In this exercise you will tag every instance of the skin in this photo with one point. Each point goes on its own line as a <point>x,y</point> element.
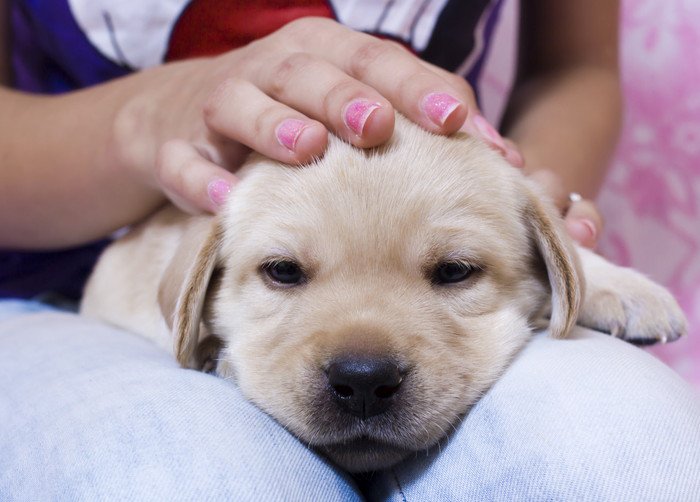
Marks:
<point>111,154</point>
<point>4,57</point>
<point>566,108</point>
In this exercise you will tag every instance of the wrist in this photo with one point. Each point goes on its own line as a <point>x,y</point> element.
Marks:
<point>133,136</point>
<point>156,106</point>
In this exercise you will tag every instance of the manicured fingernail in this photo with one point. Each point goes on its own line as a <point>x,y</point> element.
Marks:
<point>513,156</point>
<point>582,230</point>
<point>357,113</point>
<point>590,227</point>
<point>288,132</point>
<point>218,191</point>
<point>488,132</point>
<point>438,106</point>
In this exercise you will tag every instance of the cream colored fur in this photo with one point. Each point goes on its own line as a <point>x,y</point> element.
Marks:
<point>367,228</point>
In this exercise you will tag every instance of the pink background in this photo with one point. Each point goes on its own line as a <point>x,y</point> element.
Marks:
<point>651,201</point>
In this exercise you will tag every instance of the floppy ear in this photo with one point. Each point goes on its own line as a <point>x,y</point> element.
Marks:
<point>183,287</point>
<point>561,260</point>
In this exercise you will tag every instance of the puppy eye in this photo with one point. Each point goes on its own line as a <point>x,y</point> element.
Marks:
<point>450,272</point>
<point>284,272</point>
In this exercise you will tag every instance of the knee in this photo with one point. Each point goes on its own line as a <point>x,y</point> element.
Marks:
<point>106,415</point>
<point>590,417</point>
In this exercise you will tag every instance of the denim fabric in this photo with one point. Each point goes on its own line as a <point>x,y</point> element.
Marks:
<point>587,419</point>
<point>15,307</point>
<point>89,412</point>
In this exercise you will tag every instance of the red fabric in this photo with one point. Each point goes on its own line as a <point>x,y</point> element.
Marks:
<point>209,27</point>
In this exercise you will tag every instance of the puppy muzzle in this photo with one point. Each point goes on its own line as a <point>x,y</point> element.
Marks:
<point>364,386</point>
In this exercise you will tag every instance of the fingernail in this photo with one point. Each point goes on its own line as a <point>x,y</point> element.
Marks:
<point>590,226</point>
<point>582,230</point>
<point>513,156</point>
<point>288,133</point>
<point>438,106</point>
<point>218,191</point>
<point>356,114</point>
<point>488,132</point>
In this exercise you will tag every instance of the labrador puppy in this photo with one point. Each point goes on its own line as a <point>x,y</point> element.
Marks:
<point>367,301</point>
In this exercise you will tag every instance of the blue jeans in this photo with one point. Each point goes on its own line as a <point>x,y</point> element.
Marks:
<point>90,412</point>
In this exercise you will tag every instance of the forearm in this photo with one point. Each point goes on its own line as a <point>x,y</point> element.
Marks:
<point>60,180</point>
<point>568,123</point>
<point>77,166</point>
<point>4,45</point>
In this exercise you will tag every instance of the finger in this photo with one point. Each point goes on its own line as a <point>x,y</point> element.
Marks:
<point>456,81</point>
<point>584,223</point>
<point>240,111</point>
<point>476,125</point>
<point>190,181</point>
<point>318,89</point>
<point>513,155</point>
<point>553,186</point>
<point>420,94</point>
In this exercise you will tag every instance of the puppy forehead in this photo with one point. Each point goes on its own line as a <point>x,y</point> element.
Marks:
<point>418,191</point>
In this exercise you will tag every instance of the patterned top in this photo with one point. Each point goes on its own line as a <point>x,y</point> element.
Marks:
<point>62,45</point>
<point>651,199</point>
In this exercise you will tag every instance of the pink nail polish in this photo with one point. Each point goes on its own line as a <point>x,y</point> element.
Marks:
<point>288,133</point>
<point>583,231</point>
<point>438,106</point>
<point>488,132</point>
<point>356,114</point>
<point>218,191</point>
<point>590,226</point>
<point>514,156</point>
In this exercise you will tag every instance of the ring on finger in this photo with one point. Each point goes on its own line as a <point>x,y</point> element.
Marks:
<point>575,197</point>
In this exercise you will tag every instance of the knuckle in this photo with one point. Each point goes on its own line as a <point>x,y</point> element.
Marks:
<point>261,124</point>
<point>172,160</point>
<point>286,69</point>
<point>398,46</point>
<point>367,55</point>
<point>164,161</point>
<point>339,92</point>
<point>301,28</point>
<point>461,85</point>
<point>413,85</point>
<point>162,164</point>
<point>226,90</point>
<point>456,81</point>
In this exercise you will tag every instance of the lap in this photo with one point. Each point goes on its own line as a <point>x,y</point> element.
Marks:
<point>591,418</point>
<point>91,412</point>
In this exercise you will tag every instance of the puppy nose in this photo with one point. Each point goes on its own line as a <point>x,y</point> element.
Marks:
<point>364,385</point>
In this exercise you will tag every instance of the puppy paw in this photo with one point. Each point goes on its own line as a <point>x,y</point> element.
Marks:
<point>624,303</point>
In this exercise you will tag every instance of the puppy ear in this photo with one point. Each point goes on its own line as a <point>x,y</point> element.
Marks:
<point>183,287</point>
<point>560,259</point>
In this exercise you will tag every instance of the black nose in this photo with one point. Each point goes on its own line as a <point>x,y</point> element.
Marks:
<point>364,385</point>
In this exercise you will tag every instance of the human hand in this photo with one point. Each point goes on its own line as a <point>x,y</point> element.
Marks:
<point>582,218</point>
<point>583,221</point>
<point>190,125</point>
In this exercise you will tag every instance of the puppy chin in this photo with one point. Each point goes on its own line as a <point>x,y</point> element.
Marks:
<point>364,455</point>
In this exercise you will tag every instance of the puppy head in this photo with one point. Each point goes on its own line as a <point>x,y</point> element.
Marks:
<point>366,302</point>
